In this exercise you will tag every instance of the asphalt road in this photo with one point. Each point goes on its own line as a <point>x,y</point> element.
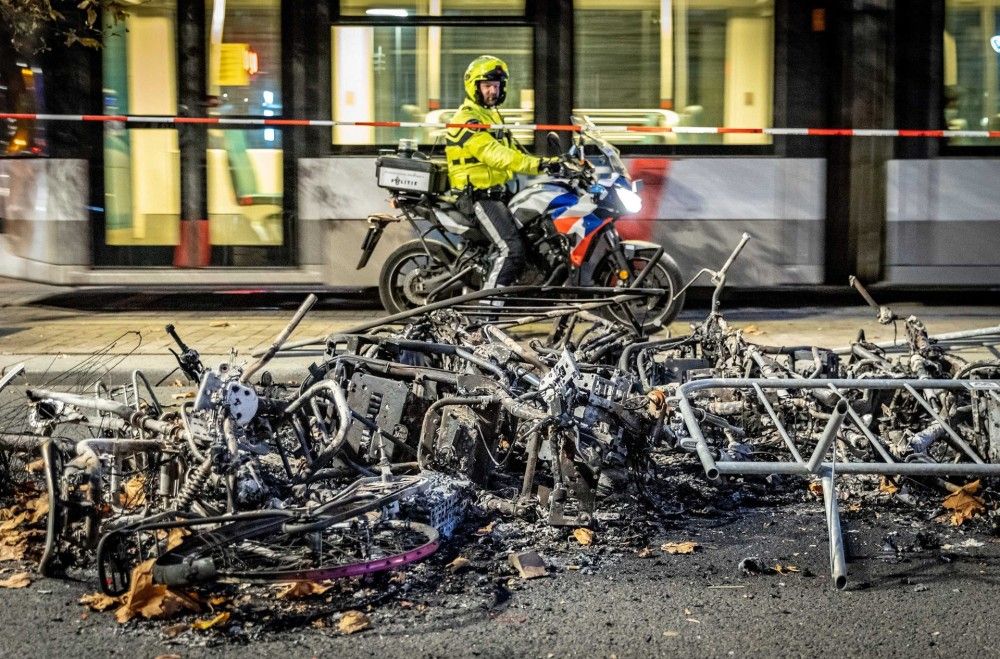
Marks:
<point>897,604</point>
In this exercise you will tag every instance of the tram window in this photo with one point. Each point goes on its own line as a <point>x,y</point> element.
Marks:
<point>244,57</point>
<point>690,63</point>
<point>21,91</point>
<point>414,73</point>
<point>141,165</point>
<point>404,8</point>
<point>971,68</point>
<point>243,168</point>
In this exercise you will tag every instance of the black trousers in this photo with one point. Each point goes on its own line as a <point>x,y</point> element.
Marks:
<point>499,225</point>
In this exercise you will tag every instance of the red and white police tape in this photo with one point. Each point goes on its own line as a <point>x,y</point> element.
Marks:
<point>680,130</point>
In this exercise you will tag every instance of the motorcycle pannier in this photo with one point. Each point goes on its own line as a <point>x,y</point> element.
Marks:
<point>411,174</point>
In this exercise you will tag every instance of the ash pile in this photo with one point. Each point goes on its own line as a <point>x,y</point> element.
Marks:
<point>489,424</point>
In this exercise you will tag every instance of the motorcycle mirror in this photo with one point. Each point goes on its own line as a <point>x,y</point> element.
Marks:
<point>555,144</point>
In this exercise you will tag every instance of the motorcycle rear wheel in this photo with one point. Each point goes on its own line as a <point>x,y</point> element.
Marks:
<point>397,279</point>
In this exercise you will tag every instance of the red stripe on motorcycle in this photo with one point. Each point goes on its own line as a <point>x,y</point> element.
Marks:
<point>580,251</point>
<point>565,224</point>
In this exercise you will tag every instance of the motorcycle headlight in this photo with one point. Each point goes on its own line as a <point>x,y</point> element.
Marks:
<point>630,201</point>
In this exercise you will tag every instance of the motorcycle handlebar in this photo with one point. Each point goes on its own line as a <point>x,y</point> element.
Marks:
<point>177,339</point>
<point>573,168</point>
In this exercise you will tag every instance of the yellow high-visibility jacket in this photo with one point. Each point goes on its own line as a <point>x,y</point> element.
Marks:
<point>481,157</point>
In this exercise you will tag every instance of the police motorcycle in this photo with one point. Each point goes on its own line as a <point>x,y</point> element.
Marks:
<point>567,221</point>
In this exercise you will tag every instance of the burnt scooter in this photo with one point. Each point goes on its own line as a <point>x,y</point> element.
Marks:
<point>567,221</point>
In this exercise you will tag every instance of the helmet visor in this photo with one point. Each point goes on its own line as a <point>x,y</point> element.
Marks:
<point>496,75</point>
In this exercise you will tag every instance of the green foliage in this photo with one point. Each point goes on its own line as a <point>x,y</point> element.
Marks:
<point>33,25</point>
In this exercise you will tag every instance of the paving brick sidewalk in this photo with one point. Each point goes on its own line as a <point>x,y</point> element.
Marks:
<point>44,331</point>
<point>42,334</point>
<point>53,340</point>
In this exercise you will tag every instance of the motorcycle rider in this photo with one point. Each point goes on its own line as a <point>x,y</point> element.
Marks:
<point>481,162</point>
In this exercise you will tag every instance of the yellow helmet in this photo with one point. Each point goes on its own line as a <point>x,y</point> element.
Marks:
<point>485,67</point>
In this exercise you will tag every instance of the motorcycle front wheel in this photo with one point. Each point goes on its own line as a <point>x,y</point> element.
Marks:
<point>653,314</point>
<point>403,283</point>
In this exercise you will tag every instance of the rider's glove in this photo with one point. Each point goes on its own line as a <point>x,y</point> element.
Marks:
<point>550,165</point>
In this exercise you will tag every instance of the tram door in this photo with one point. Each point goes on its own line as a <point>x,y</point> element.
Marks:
<point>244,223</point>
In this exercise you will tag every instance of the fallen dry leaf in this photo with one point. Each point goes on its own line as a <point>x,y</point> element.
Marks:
<point>35,466</point>
<point>133,493</point>
<point>39,508</point>
<point>686,547</point>
<point>208,623</point>
<point>752,329</point>
<point>645,552</point>
<point>172,631</point>
<point>886,486</point>
<point>177,382</point>
<point>99,601</point>
<point>218,600</point>
<point>353,621</point>
<point>486,530</point>
<point>816,487</point>
<point>150,600</point>
<point>13,522</point>
<point>459,564</point>
<point>13,552</point>
<point>299,589</point>
<point>218,323</point>
<point>174,537</point>
<point>962,504</point>
<point>584,536</point>
<point>785,569</point>
<point>182,395</point>
<point>12,537</point>
<point>16,580</point>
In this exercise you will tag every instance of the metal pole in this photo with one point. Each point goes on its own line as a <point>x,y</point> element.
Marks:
<point>872,439</point>
<point>704,453</point>
<point>966,469</point>
<point>719,278</point>
<point>957,441</point>
<point>280,341</point>
<point>617,296</point>
<point>637,282</point>
<point>983,332</point>
<point>777,423</point>
<point>529,468</point>
<point>832,427</point>
<point>838,565</point>
<point>688,388</point>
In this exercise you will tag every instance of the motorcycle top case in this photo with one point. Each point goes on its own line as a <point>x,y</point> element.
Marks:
<point>411,174</point>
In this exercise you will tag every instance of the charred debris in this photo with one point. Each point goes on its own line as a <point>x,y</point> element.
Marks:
<point>553,408</point>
